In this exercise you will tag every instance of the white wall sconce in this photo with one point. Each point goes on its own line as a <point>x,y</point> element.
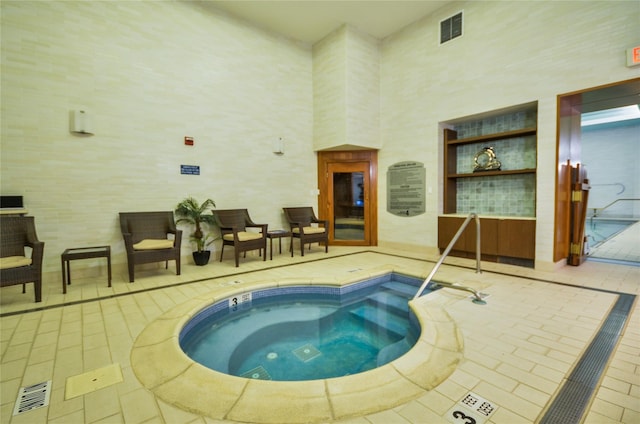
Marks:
<point>80,122</point>
<point>278,146</point>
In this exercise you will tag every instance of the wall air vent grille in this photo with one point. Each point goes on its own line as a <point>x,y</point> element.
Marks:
<point>451,28</point>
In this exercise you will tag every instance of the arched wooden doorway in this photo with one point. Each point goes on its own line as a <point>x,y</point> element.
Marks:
<point>348,199</point>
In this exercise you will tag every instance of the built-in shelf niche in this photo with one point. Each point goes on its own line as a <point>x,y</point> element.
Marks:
<point>511,191</point>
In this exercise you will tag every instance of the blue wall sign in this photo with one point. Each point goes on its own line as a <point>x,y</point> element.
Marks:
<point>190,169</point>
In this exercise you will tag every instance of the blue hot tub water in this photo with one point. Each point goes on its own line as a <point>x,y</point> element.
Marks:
<point>306,332</point>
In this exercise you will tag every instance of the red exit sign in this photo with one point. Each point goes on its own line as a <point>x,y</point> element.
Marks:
<point>633,56</point>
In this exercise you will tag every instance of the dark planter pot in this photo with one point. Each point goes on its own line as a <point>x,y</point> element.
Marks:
<point>201,258</point>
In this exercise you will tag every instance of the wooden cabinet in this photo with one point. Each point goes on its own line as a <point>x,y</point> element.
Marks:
<point>517,238</point>
<point>505,197</point>
<point>503,240</point>
<point>449,226</point>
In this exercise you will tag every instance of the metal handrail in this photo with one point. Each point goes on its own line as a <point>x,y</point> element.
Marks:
<point>612,184</point>
<point>595,210</point>
<point>478,297</point>
<point>448,249</point>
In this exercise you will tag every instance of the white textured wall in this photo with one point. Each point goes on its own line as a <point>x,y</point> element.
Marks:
<point>363,90</point>
<point>346,90</point>
<point>150,73</point>
<point>329,91</point>
<point>511,53</point>
<point>611,156</point>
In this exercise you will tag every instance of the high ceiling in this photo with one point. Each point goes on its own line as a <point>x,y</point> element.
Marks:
<point>311,20</point>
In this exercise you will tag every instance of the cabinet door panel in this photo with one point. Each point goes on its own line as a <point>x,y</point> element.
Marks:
<point>447,228</point>
<point>488,236</point>
<point>517,238</point>
<point>509,238</point>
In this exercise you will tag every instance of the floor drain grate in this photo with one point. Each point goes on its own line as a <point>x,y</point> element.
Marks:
<point>574,397</point>
<point>471,409</point>
<point>32,397</point>
<point>306,353</point>
<point>257,373</point>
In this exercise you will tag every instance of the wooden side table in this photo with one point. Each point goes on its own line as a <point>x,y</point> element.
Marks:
<point>83,253</point>
<point>276,234</point>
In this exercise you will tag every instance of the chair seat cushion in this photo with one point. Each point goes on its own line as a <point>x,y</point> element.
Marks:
<point>244,236</point>
<point>14,262</point>
<point>310,230</point>
<point>153,244</point>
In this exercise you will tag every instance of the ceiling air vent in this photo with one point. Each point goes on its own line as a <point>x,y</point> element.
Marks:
<point>451,28</point>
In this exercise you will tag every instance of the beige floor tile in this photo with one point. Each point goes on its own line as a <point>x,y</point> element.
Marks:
<point>436,402</point>
<point>138,406</point>
<point>505,399</point>
<point>391,417</point>
<point>631,416</point>
<point>488,374</point>
<point>8,395</point>
<point>548,373</point>
<point>171,414</point>
<point>536,382</point>
<point>60,408</point>
<point>609,410</point>
<point>624,400</point>
<point>102,404</point>
<point>525,391</point>
<point>617,385</point>
<point>518,348</point>
<point>38,415</point>
<point>42,354</point>
<point>17,352</point>
<point>71,418</point>
<point>38,373</point>
<point>113,419</point>
<point>504,415</point>
<point>415,412</point>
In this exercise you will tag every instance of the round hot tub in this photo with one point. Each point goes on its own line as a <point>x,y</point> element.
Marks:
<point>433,349</point>
<point>306,332</point>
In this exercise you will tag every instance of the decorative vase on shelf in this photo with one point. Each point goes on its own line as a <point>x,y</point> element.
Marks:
<point>486,160</point>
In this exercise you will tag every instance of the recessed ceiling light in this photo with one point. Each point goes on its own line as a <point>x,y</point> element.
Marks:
<point>610,115</point>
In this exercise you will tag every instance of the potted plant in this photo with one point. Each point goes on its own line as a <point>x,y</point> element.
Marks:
<point>191,212</point>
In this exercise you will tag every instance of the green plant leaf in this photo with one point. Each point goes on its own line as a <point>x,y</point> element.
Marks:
<point>190,211</point>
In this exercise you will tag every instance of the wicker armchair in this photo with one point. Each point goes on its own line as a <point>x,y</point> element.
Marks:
<point>301,219</point>
<point>16,233</point>
<point>146,239</point>
<point>233,225</point>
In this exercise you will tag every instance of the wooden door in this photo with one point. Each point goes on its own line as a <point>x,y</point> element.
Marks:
<point>579,199</point>
<point>570,108</point>
<point>348,206</point>
<point>567,151</point>
<point>348,199</point>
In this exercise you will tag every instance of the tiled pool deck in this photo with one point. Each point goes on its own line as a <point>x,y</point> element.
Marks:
<point>517,350</point>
